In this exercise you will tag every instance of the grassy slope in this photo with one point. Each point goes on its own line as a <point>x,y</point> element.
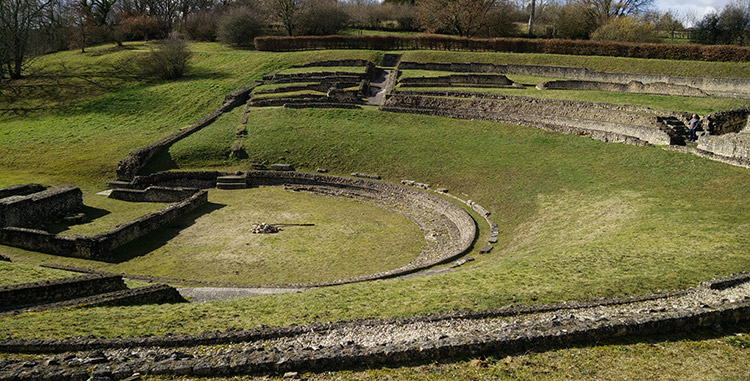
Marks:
<point>103,130</point>
<point>634,219</point>
<point>15,273</point>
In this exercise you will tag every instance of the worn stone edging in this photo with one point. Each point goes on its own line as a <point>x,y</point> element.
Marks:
<point>266,333</point>
<point>128,167</point>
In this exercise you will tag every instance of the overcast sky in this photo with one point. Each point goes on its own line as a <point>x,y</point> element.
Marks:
<point>696,8</point>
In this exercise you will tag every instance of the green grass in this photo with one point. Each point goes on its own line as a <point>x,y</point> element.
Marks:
<point>611,64</point>
<point>578,218</point>
<point>288,94</point>
<point>102,130</point>
<point>325,69</point>
<point>105,214</point>
<point>700,106</point>
<point>215,243</point>
<point>370,32</point>
<point>272,86</point>
<point>16,273</point>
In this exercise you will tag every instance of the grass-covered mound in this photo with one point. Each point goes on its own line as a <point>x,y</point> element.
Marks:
<point>578,218</point>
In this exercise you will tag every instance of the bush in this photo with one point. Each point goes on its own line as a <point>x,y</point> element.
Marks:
<point>322,17</point>
<point>625,29</point>
<point>168,61</point>
<point>201,26</point>
<point>239,27</point>
<point>513,45</point>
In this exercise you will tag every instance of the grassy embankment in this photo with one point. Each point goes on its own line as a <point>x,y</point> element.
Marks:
<point>578,218</point>
<point>698,105</point>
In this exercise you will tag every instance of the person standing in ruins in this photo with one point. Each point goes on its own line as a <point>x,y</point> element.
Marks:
<point>692,125</point>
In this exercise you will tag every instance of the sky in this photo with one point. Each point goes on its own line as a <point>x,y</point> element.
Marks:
<point>691,8</point>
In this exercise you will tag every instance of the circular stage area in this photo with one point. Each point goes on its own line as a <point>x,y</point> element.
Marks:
<point>334,230</point>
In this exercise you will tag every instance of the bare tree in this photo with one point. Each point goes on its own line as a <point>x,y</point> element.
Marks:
<point>531,17</point>
<point>18,18</point>
<point>606,9</point>
<point>286,12</point>
<point>464,18</point>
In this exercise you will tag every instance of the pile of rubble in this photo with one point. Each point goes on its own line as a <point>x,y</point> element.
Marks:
<point>264,228</point>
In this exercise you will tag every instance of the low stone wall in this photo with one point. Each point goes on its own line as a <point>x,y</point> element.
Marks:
<point>151,294</point>
<point>657,88</point>
<point>153,194</point>
<point>454,228</point>
<point>41,207</point>
<point>728,121</point>
<point>726,87</point>
<point>484,80</point>
<point>21,190</point>
<point>322,105</point>
<point>731,145</point>
<point>55,290</point>
<point>101,245</point>
<point>331,63</point>
<point>318,77</point>
<point>281,101</point>
<point>552,114</point>
<point>559,328</point>
<point>128,167</point>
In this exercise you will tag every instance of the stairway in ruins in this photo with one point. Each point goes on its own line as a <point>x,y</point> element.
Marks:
<point>231,182</point>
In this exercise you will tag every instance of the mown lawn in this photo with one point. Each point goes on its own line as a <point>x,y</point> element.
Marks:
<point>578,218</point>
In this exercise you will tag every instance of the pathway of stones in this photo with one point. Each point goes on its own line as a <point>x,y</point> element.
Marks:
<point>356,344</point>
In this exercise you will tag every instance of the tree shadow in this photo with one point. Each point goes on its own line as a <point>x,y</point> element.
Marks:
<point>158,238</point>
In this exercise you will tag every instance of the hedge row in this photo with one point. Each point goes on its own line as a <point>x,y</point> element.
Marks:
<point>514,45</point>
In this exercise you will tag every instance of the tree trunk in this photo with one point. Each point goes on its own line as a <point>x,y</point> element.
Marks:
<point>531,17</point>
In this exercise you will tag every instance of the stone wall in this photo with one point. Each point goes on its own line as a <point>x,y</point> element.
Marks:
<point>726,87</point>
<point>101,245</point>
<point>482,80</point>
<point>731,145</point>
<point>657,88</point>
<point>128,167</point>
<point>55,290</point>
<point>21,190</point>
<point>332,63</point>
<point>431,213</point>
<point>558,115</point>
<point>153,194</point>
<point>151,294</point>
<point>41,207</point>
<point>728,121</point>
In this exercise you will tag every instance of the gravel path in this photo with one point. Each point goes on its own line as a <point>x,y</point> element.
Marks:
<point>203,294</point>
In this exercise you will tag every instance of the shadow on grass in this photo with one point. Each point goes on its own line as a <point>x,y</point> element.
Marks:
<point>91,215</point>
<point>162,161</point>
<point>161,236</point>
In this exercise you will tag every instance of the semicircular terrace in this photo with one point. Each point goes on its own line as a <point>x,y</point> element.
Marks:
<point>449,230</point>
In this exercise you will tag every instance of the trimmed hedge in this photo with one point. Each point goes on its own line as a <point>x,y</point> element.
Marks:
<point>514,45</point>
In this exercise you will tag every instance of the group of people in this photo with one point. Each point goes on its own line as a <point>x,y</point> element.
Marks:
<point>693,125</point>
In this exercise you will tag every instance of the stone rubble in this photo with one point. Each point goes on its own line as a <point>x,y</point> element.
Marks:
<point>368,343</point>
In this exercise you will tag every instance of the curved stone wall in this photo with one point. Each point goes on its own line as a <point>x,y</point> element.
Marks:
<point>635,87</point>
<point>613,123</point>
<point>726,87</point>
<point>449,231</point>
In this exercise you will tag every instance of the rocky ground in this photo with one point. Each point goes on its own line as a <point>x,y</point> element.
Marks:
<point>377,342</point>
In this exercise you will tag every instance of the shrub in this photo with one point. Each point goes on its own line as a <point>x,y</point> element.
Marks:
<point>201,26</point>
<point>625,29</point>
<point>239,27</point>
<point>322,17</point>
<point>168,61</point>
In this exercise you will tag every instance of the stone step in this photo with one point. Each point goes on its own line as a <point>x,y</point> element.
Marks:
<point>231,179</point>
<point>231,185</point>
